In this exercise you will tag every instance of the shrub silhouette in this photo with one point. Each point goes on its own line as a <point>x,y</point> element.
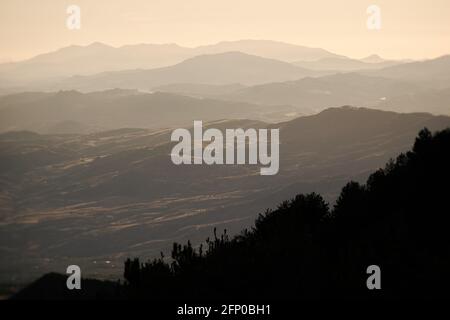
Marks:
<point>398,220</point>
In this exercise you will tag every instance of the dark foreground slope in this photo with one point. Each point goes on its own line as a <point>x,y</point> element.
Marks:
<point>398,220</point>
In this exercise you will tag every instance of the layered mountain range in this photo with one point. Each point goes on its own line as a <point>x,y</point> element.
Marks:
<point>85,169</point>
<point>263,80</point>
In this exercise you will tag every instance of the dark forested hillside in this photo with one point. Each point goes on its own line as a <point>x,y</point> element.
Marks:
<point>398,220</point>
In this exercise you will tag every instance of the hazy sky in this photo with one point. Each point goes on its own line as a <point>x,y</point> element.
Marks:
<point>410,28</point>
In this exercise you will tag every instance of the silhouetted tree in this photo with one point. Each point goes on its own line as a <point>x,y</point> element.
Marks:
<point>398,220</point>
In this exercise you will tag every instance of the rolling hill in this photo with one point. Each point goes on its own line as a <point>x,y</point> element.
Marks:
<point>101,197</point>
<point>75,112</point>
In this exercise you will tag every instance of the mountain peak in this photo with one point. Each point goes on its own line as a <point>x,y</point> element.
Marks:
<point>98,44</point>
<point>374,58</point>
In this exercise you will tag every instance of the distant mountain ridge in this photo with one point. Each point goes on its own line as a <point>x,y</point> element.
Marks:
<point>435,73</point>
<point>269,49</point>
<point>323,92</point>
<point>341,64</point>
<point>215,69</point>
<point>98,57</point>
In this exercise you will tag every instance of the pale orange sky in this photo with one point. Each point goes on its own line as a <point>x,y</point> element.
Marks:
<point>410,28</point>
